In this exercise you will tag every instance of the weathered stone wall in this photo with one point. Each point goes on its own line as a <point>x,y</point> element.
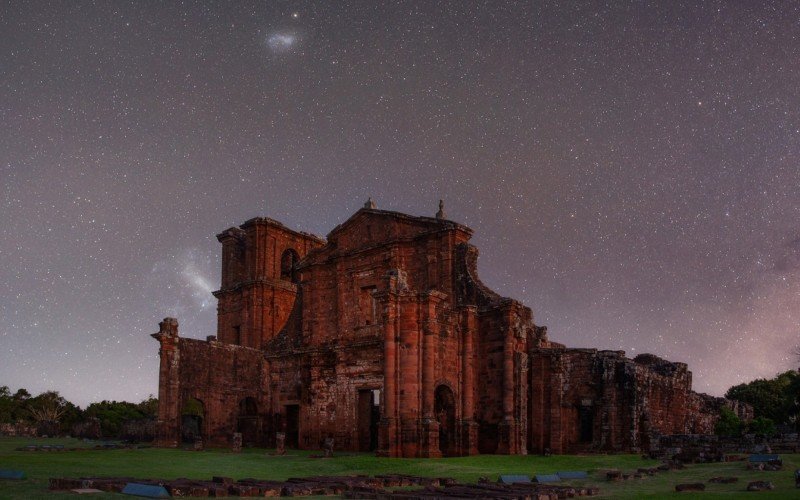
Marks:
<point>138,430</point>
<point>87,429</point>
<point>385,281</point>
<point>709,447</point>
<point>18,429</point>
<point>383,338</point>
<point>218,376</point>
<point>259,281</point>
<point>703,412</point>
<point>589,400</point>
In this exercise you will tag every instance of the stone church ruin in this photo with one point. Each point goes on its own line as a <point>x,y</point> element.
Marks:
<point>383,338</point>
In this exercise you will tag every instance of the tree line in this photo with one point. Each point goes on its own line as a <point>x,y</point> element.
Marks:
<point>775,402</point>
<point>51,414</point>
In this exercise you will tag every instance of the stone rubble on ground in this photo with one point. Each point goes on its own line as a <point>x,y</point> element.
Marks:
<point>375,487</point>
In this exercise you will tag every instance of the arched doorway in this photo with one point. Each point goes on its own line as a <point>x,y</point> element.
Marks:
<point>445,408</point>
<point>289,260</point>
<point>247,422</point>
<point>192,413</point>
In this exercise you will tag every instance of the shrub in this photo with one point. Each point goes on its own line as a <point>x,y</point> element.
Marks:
<point>729,424</point>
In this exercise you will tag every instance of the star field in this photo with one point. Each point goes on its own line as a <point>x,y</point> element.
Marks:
<point>631,169</point>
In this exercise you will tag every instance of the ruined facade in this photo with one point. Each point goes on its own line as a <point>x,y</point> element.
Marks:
<point>383,338</point>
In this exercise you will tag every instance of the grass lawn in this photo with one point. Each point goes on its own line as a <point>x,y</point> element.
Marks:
<point>170,464</point>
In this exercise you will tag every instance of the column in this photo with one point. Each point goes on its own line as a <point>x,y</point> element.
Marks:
<point>507,430</point>
<point>428,425</point>
<point>388,444</point>
<point>168,422</point>
<point>468,428</point>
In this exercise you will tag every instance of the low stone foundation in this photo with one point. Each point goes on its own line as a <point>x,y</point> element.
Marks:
<point>710,448</point>
<point>348,486</point>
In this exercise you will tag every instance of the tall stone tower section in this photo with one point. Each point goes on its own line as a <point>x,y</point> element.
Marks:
<point>260,285</point>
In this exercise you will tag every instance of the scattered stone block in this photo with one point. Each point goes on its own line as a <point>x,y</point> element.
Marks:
<point>723,480</point>
<point>280,443</point>
<point>690,487</point>
<point>327,446</point>
<point>760,486</point>
<point>347,486</point>
<point>236,446</point>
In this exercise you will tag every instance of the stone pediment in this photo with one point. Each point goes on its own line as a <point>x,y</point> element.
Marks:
<point>369,227</point>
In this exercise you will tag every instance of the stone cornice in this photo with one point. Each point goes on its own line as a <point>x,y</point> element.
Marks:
<point>285,285</point>
<point>267,221</point>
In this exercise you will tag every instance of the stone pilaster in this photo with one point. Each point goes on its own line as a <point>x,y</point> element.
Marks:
<point>428,425</point>
<point>388,435</point>
<point>168,422</point>
<point>467,427</point>
<point>428,438</point>
<point>508,426</point>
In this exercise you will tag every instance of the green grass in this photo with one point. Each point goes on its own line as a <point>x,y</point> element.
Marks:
<point>170,464</point>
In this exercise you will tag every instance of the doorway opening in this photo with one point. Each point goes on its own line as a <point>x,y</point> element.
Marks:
<point>293,426</point>
<point>192,413</point>
<point>247,422</point>
<point>445,408</point>
<point>369,414</point>
<point>585,423</point>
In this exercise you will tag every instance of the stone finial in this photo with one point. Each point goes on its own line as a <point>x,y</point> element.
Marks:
<point>369,204</point>
<point>440,213</point>
<point>169,326</point>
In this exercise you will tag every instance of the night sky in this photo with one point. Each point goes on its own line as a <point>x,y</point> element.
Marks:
<point>631,169</point>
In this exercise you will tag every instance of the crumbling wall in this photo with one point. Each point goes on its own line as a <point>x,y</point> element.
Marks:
<point>210,381</point>
<point>138,430</point>
<point>589,400</point>
<point>221,376</point>
<point>87,429</point>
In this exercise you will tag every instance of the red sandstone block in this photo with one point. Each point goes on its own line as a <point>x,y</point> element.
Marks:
<point>690,487</point>
<point>65,484</point>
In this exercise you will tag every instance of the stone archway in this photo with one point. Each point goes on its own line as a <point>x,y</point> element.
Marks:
<point>445,409</point>
<point>192,414</point>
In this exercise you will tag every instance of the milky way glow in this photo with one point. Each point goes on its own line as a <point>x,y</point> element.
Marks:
<point>281,42</point>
